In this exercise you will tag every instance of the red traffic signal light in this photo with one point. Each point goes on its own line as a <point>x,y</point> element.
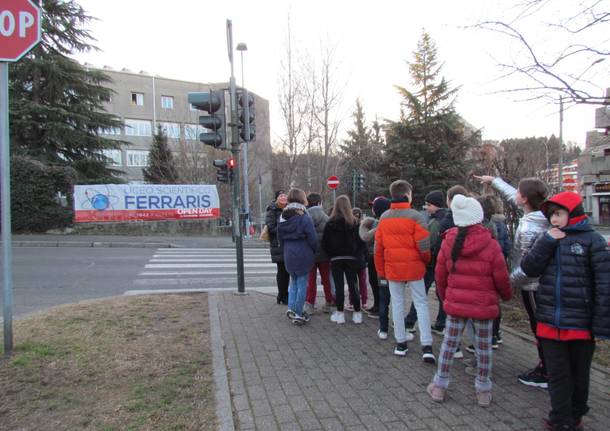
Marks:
<point>231,163</point>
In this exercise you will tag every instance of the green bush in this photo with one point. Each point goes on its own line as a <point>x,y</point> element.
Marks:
<point>35,204</point>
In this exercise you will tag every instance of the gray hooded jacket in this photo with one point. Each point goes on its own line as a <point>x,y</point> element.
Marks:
<point>319,218</point>
<point>530,226</point>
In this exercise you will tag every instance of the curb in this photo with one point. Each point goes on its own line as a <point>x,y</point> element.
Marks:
<point>224,412</point>
<point>90,244</point>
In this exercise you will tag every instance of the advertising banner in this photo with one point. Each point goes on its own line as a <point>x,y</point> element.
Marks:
<point>144,202</point>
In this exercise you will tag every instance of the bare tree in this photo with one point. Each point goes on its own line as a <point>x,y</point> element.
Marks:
<point>296,105</point>
<point>570,71</point>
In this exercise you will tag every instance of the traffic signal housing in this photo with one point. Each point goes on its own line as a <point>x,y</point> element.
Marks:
<point>225,170</point>
<point>212,102</point>
<point>247,128</point>
<point>359,182</point>
<point>222,175</point>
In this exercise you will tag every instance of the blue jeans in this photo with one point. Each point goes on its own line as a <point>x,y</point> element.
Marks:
<point>418,292</point>
<point>296,293</point>
<point>384,305</point>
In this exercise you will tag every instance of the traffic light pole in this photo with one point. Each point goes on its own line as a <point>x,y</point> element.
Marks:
<point>239,245</point>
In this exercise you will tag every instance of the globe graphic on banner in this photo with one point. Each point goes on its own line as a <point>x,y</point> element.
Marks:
<point>100,202</point>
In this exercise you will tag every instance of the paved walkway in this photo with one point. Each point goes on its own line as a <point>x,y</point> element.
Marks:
<point>333,377</point>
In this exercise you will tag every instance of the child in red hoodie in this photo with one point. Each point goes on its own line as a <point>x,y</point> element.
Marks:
<point>470,275</point>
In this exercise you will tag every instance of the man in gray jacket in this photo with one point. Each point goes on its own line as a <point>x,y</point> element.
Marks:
<point>528,196</point>
<point>322,262</point>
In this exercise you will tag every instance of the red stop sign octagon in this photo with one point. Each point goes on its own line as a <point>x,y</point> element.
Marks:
<point>19,28</point>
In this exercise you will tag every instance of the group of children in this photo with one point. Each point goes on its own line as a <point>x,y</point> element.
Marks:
<point>558,262</point>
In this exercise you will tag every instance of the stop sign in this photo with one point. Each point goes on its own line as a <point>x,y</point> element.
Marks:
<point>332,182</point>
<point>19,28</point>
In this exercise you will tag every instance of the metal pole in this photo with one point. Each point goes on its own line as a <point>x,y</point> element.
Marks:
<point>560,167</point>
<point>354,189</point>
<point>245,148</point>
<point>239,246</point>
<point>5,166</point>
<point>260,202</point>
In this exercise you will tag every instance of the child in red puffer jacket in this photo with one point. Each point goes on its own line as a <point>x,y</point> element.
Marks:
<point>470,275</point>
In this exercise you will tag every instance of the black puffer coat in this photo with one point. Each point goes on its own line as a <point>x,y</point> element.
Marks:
<point>271,220</point>
<point>574,290</point>
<point>342,239</point>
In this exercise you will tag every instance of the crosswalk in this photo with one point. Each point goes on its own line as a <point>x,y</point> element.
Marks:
<point>205,268</point>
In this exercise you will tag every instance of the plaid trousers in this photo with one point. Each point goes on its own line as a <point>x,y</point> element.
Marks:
<point>482,342</point>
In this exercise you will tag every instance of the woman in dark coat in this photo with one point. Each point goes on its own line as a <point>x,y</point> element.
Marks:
<point>274,211</point>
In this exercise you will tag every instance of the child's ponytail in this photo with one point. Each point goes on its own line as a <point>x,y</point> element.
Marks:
<point>458,244</point>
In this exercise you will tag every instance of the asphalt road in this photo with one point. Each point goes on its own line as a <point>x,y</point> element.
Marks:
<point>48,276</point>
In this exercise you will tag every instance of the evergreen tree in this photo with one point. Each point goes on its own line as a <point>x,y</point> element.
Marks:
<point>361,153</point>
<point>56,105</point>
<point>430,144</point>
<point>161,168</point>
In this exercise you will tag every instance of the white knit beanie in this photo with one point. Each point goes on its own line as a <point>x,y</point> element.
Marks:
<point>466,211</point>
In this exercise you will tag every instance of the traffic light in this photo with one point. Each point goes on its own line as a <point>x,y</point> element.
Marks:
<point>212,102</point>
<point>359,182</point>
<point>222,175</point>
<point>243,121</point>
<point>225,170</point>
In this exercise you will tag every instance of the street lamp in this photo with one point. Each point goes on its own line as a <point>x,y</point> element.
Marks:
<point>241,47</point>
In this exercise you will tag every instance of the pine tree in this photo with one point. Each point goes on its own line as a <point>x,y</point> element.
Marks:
<point>56,105</point>
<point>429,145</point>
<point>161,168</point>
<point>361,153</point>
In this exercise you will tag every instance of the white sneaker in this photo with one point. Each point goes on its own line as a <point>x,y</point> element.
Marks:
<point>337,317</point>
<point>382,335</point>
<point>357,317</point>
<point>458,355</point>
<point>410,336</point>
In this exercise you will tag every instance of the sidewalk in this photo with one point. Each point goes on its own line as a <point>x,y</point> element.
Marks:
<point>334,377</point>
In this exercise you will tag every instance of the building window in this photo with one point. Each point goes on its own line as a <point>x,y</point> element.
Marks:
<point>115,156</point>
<point>137,127</point>
<point>192,131</point>
<point>167,102</point>
<point>113,131</point>
<point>172,130</point>
<point>137,158</point>
<point>137,99</point>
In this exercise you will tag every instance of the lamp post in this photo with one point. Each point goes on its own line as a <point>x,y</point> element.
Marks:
<point>241,47</point>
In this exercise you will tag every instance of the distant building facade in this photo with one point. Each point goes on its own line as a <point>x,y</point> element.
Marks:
<point>594,167</point>
<point>144,101</point>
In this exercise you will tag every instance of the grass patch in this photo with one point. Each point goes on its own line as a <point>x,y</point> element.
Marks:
<point>120,364</point>
<point>515,316</point>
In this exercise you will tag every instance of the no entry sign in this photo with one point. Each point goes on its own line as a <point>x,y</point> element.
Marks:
<point>19,28</point>
<point>332,182</point>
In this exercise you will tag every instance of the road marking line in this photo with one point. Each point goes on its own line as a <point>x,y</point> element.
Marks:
<point>186,281</point>
<point>206,273</point>
<point>262,289</point>
<point>203,265</point>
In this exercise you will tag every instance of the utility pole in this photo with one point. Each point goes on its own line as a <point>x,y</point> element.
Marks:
<point>239,245</point>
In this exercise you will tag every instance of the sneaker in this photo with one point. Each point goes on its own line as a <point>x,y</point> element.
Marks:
<point>499,338</point>
<point>535,378</point>
<point>494,343</point>
<point>373,312</point>
<point>427,355</point>
<point>436,393</point>
<point>440,330</point>
<point>306,316</point>
<point>410,328</point>
<point>349,307</point>
<point>484,398</point>
<point>471,349</point>
<point>410,336</point>
<point>458,354</point>
<point>309,308</point>
<point>357,317</point>
<point>298,320</point>
<point>290,314</point>
<point>337,317</point>
<point>382,335</point>
<point>548,426</point>
<point>327,308</point>
<point>401,349</point>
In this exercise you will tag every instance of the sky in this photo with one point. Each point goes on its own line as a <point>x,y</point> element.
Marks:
<point>374,40</point>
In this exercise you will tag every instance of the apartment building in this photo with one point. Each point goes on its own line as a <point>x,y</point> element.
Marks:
<point>143,101</point>
<point>594,167</point>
